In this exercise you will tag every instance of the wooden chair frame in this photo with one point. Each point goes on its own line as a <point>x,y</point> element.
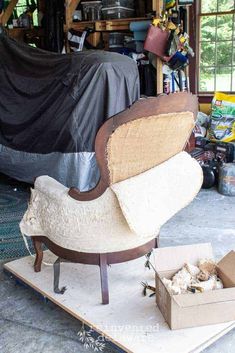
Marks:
<point>173,103</point>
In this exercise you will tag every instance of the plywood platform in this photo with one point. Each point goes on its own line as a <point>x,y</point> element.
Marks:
<point>131,321</point>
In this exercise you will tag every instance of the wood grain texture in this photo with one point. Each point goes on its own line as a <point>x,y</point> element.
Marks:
<point>8,12</point>
<point>127,312</point>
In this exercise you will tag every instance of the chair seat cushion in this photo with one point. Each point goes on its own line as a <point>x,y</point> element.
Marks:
<point>150,199</point>
<point>96,226</point>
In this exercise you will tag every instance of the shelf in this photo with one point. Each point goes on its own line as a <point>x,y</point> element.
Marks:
<point>111,25</point>
<point>19,33</point>
<point>107,25</point>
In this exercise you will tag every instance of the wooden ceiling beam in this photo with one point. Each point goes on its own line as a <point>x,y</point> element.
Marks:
<point>70,7</point>
<point>8,12</point>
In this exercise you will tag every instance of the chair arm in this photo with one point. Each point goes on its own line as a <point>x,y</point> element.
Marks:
<point>90,195</point>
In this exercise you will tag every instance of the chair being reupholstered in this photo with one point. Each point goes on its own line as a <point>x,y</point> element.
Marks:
<point>145,178</point>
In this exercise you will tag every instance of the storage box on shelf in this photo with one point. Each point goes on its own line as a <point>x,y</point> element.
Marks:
<point>117,12</point>
<point>116,40</point>
<point>124,3</point>
<point>91,10</point>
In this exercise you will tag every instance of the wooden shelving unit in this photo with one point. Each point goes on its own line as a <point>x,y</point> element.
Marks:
<point>98,26</point>
<point>8,12</point>
<point>70,7</point>
<point>22,33</point>
<point>158,6</point>
<point>112,25</point>
<point>106,25</point>
<point>17,32</point>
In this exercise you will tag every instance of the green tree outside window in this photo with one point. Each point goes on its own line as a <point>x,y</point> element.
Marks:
<point>217,46</point>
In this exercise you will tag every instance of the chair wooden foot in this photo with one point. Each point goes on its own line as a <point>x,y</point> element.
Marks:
<point>104,279</point>
<point>157,242</point>
<point>39,254</point>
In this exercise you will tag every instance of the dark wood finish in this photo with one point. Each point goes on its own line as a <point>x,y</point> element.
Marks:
<point>173,103</point>
<point>39,254</point>
<point>193,33</point>
<point>89,258</point>
<point>101,260</point>
<point>8,11</point>
<point>206,99</point>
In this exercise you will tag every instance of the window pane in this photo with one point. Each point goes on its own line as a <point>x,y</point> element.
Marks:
<point>223,79</point>
<point>208,25</point>
<point>234,27</point>
<point>233,88</point>
<point>224,27</point>
<point>207,54</point>
<point>233,52</point>
<point>207,76</point>
<point>224,53</point>
<point>225,5</point>
<point>208,6</point>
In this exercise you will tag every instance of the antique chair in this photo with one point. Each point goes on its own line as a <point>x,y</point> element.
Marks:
<point>145,178</point>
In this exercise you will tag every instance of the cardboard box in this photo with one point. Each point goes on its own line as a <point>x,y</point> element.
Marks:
<point>226,269</point>
<point>191,310</point>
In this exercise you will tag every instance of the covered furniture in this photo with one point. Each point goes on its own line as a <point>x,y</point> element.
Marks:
<point>145,179</point>
<point>52,105</point>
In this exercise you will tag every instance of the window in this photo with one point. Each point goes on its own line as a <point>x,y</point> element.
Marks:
<point>216,46</point>
<point>22,6</point>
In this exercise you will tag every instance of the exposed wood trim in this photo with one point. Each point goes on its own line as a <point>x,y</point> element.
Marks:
<point>8,12</point>
<point>193,43</point>
<point>172,103</point>
<point>195,16</point>
<point>90,258</point>
<point>205,99</point>
<point>232,12</point>
<point>70,7</point>
<point>100,259</point>
<point>158,7</point>
<point>159,66</point>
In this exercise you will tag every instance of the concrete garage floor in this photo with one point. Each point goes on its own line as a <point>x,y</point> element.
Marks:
<point>27,324</point>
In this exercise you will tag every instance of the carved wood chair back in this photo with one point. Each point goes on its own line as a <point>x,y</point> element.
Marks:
<point>140,138</point>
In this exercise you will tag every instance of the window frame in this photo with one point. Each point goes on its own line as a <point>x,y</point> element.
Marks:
<point>194,69</point>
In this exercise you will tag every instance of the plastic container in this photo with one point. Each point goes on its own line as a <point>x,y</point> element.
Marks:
<point>135,46</point>
<point>227,179</point>
<point>117,12</point>
<point>124,3</point>
<point>91,10</point>
<point>140,29</point>
<point>116,40</point>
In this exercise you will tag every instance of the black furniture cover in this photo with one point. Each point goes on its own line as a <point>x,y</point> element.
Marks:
<point>52,105</point>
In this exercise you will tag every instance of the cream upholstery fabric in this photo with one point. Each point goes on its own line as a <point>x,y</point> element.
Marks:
<point>147,201</point>
<point>150,199</point>
<point>94,226</point>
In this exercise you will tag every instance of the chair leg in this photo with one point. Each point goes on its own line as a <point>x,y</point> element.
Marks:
<point>39,254</point>
<point>56,267</point>
<point>157,242</point>
<point>104,279</point>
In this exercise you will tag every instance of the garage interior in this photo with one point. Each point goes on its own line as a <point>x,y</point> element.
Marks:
<point>116,117</point>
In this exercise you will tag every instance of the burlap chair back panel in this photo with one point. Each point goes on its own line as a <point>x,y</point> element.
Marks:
<point>141,144</point>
